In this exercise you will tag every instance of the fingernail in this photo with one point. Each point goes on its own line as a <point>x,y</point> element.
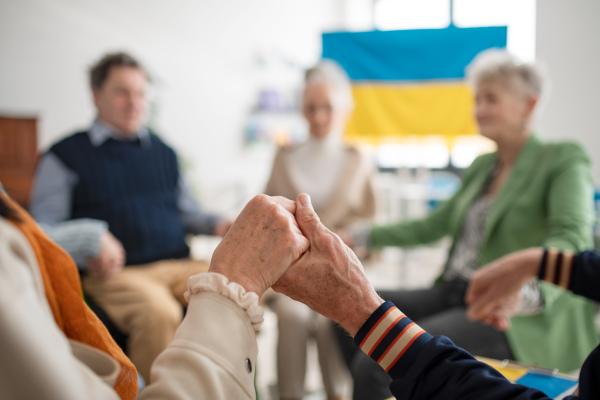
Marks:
<point>305,200</point>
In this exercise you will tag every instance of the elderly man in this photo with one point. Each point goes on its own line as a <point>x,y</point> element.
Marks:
<point>112,196</point>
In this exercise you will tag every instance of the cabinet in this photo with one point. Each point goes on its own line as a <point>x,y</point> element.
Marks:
<point>18,156</point>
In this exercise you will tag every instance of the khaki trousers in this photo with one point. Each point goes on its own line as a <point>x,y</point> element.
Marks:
<point>297,325</point>
<point>145,301</point>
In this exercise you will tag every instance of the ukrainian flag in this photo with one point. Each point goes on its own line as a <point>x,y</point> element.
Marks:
<point>410,82</point>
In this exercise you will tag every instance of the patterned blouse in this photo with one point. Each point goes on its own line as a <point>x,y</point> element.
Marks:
<point>464,259</point>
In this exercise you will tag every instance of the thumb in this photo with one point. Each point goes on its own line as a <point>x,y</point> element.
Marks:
<point>307,218</point>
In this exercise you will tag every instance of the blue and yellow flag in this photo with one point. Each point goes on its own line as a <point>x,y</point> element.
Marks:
<point>410,82</point>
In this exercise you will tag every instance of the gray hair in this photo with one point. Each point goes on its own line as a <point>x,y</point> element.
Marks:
<point>497,63</point>
<point>331,73</point>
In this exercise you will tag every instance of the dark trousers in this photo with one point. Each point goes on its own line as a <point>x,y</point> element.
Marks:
<point>439,310</point>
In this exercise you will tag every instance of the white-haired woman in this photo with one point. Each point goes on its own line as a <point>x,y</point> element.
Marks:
<point>338,179</point>
<point>528,193</point>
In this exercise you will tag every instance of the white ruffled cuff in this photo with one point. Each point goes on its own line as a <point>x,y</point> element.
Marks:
<point>217,283</point>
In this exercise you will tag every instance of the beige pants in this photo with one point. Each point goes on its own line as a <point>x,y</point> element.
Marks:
<point>297,324</point>
<point>145,301</point>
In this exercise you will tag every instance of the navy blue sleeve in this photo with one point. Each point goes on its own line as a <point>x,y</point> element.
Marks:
<point>432,368</point>
<point>444,371</point>
<point>589,384</point>
<point>195,219</point>
<point>579,273</point>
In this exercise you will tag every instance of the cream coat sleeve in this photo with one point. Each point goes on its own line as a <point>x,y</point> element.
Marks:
<point>36,361</point>
<point>213,355</point>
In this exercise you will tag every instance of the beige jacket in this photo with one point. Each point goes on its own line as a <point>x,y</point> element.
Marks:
<point>352,200</point>
<point>212,356</point>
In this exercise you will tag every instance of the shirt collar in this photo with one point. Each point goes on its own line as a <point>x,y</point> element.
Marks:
<point>100,132</point>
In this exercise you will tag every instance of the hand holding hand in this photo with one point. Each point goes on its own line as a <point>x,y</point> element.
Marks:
<point>328,277</point>
<point>261,244</point>
<point>499,316</point>
<point>110,260</point>
<point>493,295</point>
<point>346,237</point>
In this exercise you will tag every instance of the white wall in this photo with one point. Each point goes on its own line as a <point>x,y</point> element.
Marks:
<point>202,54</point>
<point>568,42</point>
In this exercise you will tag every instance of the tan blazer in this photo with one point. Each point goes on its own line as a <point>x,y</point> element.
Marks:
<point>352,200</point>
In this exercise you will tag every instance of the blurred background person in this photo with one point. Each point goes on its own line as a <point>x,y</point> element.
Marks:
<point>120,190</point>
<point>339,181</point>
<point>528,193</point>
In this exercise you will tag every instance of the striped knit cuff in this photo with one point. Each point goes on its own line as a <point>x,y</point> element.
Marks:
<point>392,339</point>
<point>556,267</point>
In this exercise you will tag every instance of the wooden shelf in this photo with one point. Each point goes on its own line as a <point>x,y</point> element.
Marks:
<point>18,156</point>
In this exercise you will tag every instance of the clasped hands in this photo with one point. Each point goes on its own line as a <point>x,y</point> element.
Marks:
<point>280,243</point>
<point>494,292</point>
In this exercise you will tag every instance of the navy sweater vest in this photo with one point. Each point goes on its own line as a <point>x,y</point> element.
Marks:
<point>133,188</point>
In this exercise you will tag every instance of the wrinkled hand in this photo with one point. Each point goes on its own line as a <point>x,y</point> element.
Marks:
<point>222,227</point>
<point>261,244</point>
<point>110,260</point>
<point>328,277</point>
<point>346,237</point>
<point>499,316</point>
<point>493,295</point>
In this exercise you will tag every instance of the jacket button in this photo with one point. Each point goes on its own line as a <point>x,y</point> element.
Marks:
<point>249,364</point>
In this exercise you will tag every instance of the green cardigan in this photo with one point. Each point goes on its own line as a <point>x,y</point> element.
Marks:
<point>546,201</point>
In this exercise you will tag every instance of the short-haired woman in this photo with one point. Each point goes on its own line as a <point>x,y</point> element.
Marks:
<point>338,179</point>
<point>528,193</point>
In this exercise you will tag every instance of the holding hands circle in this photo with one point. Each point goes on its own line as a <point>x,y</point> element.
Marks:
<point>281,243</point>
<point>261,244</point>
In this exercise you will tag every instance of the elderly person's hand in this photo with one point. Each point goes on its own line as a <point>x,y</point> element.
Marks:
<point>261,244</point>
<point>499,316</point>
<point>346,237</point>
<point>111,259</point>
<point>328,277</point>
<point>493,295</point>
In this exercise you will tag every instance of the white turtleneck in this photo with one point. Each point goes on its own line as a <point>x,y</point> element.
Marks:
<point>315,167</point>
